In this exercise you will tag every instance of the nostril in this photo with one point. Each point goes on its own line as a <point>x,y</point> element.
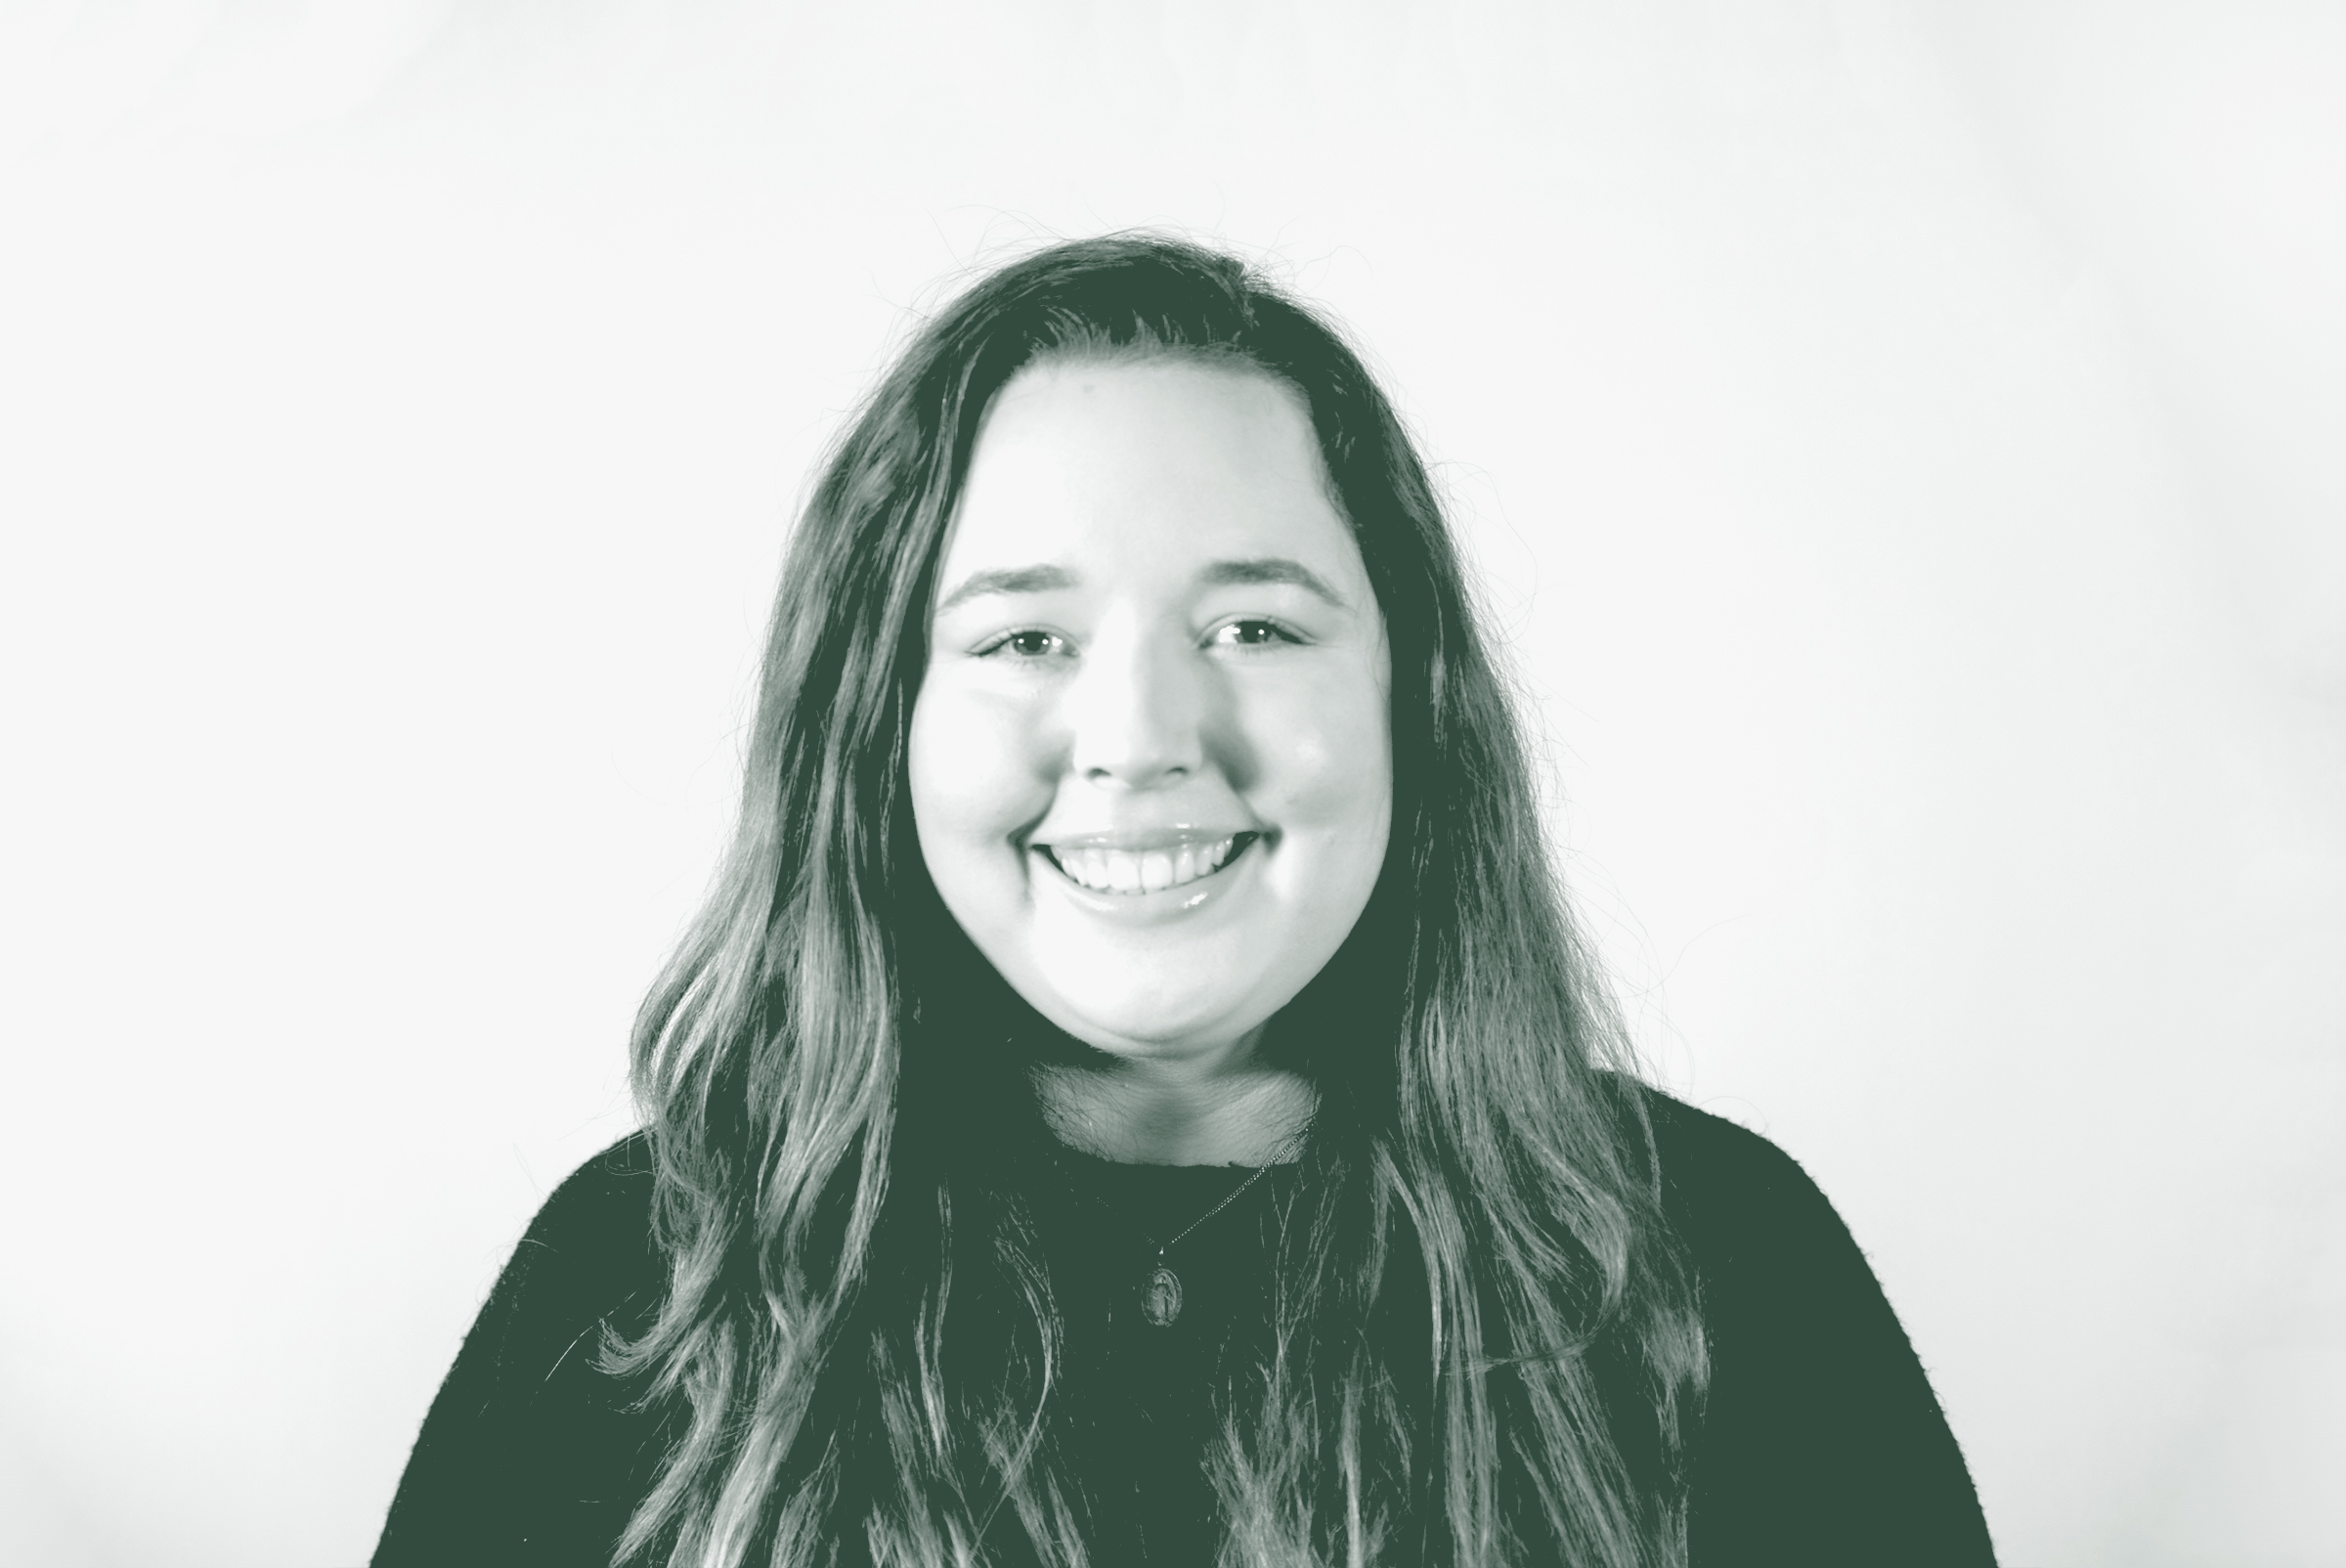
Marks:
<point>1151,774</point>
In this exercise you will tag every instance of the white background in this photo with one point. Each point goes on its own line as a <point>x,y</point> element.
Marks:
<point>1904,445</point>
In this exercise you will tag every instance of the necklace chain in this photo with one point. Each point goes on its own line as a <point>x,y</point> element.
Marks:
<point>1161,1299</point>
<point>1235,1192</point>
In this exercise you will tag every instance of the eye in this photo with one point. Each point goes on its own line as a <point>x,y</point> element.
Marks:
<point>1252,634</point>
<point>1028,643</point>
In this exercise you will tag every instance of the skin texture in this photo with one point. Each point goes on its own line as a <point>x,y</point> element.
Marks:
<point>1154,633</point>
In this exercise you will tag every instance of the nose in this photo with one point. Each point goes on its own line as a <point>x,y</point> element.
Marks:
<point>1137,712</point>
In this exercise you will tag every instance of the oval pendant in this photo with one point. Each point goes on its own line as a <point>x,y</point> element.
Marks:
<point>1161,1298</point>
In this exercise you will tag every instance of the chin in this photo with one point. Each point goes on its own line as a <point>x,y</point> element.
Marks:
<point>1149,1025</point>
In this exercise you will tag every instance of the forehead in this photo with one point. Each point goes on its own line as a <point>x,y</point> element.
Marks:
<point>1148,462</point>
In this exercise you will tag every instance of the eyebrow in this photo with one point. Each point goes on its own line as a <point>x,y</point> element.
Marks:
<point>1012,580</point>
<point>1050,579</point>
<point>1273,569</point>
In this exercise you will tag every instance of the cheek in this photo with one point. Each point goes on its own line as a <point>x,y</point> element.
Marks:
<point>973,768</point>
<point>1331,761</point>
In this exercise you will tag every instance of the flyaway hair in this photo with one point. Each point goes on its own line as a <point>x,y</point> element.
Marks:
<point>1485,1348</point>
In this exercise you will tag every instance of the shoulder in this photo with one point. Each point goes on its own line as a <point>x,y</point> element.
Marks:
<point>612,1189</point>
<point>1727,1190</point>
<point>588,1264</point>
<point>1822,1440</point>
<point>530,1451</point>
<point>1770,1254</point>
<point>1712,1140</point>
<point>593,1234</point>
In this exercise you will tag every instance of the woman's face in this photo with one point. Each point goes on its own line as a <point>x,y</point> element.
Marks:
<point>1152,756</point>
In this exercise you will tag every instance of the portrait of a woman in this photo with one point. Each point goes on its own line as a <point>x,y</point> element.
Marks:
<point>1136,1092</point>
<point>1539,784</point>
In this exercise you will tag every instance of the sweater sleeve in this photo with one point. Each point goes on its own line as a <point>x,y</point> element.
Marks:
<point>531,1454</point>
<point>1822,1444</point>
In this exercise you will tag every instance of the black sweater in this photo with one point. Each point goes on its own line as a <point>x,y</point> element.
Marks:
<point>1821,1443</point>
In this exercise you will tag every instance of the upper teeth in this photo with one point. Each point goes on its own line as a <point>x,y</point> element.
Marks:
<point>1145,871</point>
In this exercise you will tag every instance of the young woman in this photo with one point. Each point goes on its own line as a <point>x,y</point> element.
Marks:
<point>1134,1095</point>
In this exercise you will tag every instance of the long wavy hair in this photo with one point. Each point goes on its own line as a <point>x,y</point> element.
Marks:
<point>1484,1345</point>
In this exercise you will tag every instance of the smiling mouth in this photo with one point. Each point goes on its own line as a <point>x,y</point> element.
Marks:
<point>1132,872</point>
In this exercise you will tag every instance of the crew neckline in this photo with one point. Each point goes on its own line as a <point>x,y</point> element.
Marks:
<point>1079,1159</point>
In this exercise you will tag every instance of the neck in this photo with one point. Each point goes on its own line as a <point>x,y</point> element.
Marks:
<point>1158,1113</point>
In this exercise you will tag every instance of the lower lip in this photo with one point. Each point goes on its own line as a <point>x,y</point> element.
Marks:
<point>1167,903</point>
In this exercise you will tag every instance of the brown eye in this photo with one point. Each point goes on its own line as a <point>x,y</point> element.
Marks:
<point>1252,634</point>
<point>1029,644</point>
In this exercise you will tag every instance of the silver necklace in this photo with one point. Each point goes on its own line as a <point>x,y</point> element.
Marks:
<point>1161,1294</point>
